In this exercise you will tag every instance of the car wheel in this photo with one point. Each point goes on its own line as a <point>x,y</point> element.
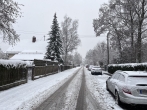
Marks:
<point>117,100</point>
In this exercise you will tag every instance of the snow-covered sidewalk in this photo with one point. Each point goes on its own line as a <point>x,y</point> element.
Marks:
<point>33,93</point>
<point>97,86</point>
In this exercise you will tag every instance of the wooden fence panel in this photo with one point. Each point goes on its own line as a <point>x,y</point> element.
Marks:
<point>44,62</point>
<point>40,71</point>
<point>10,76</point>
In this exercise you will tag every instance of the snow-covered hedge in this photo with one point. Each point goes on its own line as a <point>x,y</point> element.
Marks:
<point>12,64</point>
<point>12,73</point>
<point>127,67</point>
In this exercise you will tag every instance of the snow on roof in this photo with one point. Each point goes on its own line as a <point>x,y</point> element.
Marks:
<point>27,44</point>
<point>13,52</point>
<point>26,56</point>
<point>32,52</point>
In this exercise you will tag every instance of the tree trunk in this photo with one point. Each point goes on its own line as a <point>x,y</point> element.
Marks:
<point>119,46</point>
<point>132,46</point>
<point>139,45</point>
<point>108,48</point>
<point>139,39</point>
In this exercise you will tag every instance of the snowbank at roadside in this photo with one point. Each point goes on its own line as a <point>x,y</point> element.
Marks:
<point>28,96</point>
<point>97,86</point>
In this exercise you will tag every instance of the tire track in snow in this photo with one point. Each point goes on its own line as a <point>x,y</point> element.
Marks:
<point>85,100</point>
<point>56,100</point>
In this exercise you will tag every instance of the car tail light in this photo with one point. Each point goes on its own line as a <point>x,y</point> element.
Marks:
<point>126,90</point>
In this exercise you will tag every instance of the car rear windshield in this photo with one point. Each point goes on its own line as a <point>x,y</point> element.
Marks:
<point>96,67</point>
<point>133,80</point>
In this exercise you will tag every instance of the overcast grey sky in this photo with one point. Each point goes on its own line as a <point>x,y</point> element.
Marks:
<point>38,15</point>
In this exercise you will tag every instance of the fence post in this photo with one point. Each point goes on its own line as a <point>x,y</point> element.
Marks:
<point>33,69</point>
<point>59,68</point>
<point>46,66</point>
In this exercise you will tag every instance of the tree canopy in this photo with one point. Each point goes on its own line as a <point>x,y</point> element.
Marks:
<point>125,20</point>
<point>9,12</point>
<point>69,35</point>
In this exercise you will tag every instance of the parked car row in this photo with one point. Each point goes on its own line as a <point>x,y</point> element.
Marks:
<point>129,87</point>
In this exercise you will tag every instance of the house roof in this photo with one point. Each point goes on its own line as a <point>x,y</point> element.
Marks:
<point>27,50</point>
<point>27,44</point>
<point>27,56</point>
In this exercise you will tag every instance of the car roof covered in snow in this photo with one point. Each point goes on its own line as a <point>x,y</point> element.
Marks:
<point>96,67</point>
<point>135,73</point>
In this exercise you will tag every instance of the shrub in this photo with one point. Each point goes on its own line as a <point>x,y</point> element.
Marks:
<point>127,67</point>
<point>12,71</point>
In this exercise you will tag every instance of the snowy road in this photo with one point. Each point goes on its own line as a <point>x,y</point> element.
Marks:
<point>72,95</point>
<point>67,90</point>
<point>58,100</point>
<point>85,100</point>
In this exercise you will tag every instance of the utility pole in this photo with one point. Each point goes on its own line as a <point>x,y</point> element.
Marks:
<point>108,48</point>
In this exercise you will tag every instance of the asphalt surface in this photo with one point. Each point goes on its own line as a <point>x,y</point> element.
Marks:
<point>56,100</point>
<point>84,100</point>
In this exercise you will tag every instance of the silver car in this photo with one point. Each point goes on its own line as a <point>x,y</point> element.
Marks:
<point>128,87</point>
<point>96,70</point>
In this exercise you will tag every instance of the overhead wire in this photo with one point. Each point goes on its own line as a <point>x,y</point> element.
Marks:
<point>45,33</point>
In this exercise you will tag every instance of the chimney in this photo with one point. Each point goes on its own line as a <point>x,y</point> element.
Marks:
<point>34,39</point>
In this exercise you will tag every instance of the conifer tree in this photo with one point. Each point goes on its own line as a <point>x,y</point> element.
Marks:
<point>54,48</point>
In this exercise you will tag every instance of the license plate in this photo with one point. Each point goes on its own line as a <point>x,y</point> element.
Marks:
<point>143,92</point>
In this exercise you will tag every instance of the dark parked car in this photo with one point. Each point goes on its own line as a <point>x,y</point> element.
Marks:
<point>87,66</point>
<point>128,87</point>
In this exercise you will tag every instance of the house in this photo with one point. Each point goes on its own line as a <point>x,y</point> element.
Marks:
<point>28,55</point>
<point>28,49</point>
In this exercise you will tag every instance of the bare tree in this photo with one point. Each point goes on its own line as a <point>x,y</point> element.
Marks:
<point>140,7</point>
<point>108,22</point>
<point>101,52</point>
<point>77,59</point>
<point>69,36</point>
<point>124,11</point>
<point>9,11</point>
<point>126,22</point>
<point>89,58</point>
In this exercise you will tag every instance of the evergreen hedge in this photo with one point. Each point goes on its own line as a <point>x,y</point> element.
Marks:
<point>127,67</point>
